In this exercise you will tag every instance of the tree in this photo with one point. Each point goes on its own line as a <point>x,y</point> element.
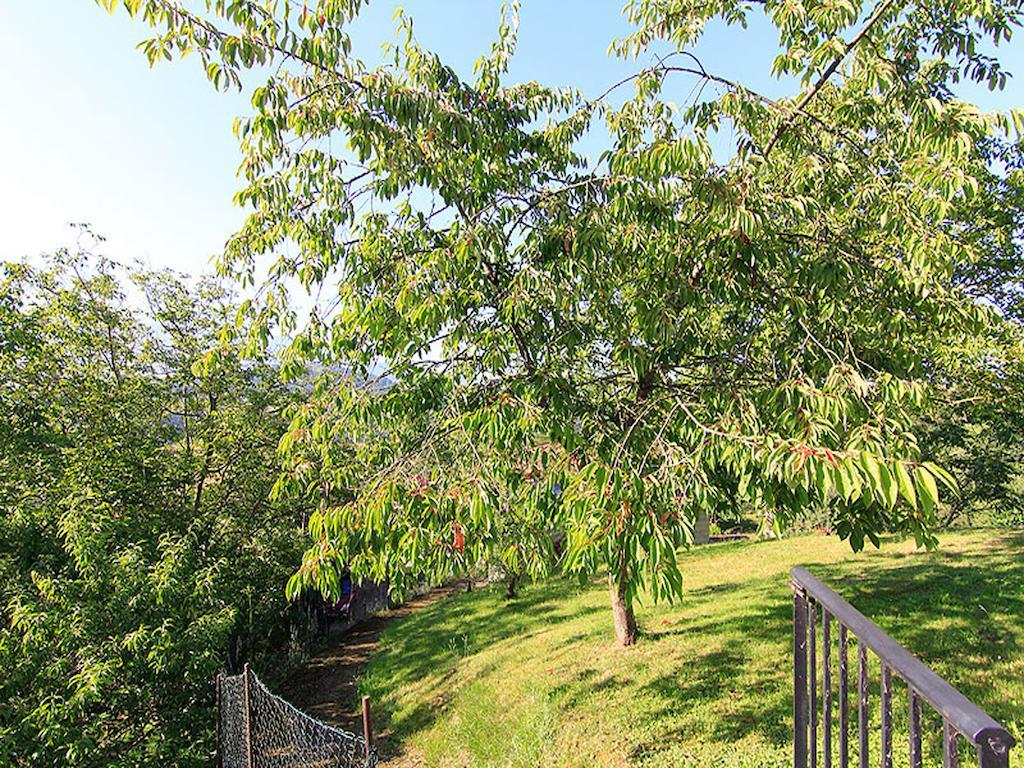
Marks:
<point>977,420</point>
<point>139,553</point>
<point>608,348</point>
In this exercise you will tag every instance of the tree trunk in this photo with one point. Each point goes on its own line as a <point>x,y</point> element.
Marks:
<point>511,581</point>
<point>955,508</point>
<point>622,607</point>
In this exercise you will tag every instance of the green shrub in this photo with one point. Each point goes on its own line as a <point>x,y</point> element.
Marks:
<point>138,550</point>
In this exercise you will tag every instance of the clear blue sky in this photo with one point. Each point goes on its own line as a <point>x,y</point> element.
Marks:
<point>90,133</point>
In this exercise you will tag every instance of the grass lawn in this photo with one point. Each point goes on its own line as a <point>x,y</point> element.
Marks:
<point>475,681</point>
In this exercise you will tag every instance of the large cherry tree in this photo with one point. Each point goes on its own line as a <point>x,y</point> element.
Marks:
<point>592,351</point>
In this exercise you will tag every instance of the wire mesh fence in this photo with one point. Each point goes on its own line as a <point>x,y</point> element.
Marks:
<point>256,729</point>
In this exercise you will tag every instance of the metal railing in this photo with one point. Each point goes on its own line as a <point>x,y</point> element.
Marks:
<point>960,717</point>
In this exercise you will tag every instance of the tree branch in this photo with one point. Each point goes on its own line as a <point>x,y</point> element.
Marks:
<point>829,71</point>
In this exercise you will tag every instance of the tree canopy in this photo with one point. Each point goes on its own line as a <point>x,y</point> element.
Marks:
<point>604,347</point>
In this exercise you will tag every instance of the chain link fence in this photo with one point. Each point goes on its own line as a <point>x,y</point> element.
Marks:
<point>256,729</point>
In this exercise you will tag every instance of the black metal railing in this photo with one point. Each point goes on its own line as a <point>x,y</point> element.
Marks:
<point>960,717</point>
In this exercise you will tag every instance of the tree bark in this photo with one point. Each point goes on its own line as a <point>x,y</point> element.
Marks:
<point>622,607</point>
<point>511,582</point>
<point>955,508</point>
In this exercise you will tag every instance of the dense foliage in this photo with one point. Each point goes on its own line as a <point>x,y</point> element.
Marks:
<point>604,348</point>
<point>139,552</point>
<point>977,426</point>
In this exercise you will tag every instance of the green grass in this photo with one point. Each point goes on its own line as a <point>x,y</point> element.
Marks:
<point>476,681</point>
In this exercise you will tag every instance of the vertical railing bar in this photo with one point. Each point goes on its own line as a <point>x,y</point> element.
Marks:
<point>219,759</point>
<point>915,729</point>
<point>249,757</point>
<point>886,716</point>
<point>799,679</point>
<point>862,714</point>
<point>813,665</point>
<point>844,698</point>
<point>826,684</point>
<point>950,746</point>
<point>993,750</point>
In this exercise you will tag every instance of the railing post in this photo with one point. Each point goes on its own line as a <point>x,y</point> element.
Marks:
<point>886,716</point>
<point>950,746</point>
<point>993,748</point>
<point>799,678</point>
<point>812,661</point>
<point>862,710</point>
<point>367,728</point>
<point>219,758</point>
<point>844,696</point>
<point>914,726</point>
<point>249,758</point>
<point>826,682</point>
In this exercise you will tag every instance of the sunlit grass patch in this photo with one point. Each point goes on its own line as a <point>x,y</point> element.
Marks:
<point>476,681</point>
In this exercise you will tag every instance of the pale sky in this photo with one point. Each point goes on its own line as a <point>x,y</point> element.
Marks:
<point>89,133</point>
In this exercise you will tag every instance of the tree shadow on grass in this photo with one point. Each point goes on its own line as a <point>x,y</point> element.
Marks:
<point>961,613</point>
<point>738,685</point>
<point>441,636</point>
<point>949,608</point>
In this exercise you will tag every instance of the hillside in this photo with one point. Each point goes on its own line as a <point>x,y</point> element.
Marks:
<point>475,681</point>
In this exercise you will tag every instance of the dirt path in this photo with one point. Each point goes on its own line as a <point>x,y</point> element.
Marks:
<point>326,687</point>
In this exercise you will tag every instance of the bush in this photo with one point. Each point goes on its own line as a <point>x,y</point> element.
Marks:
<point>138,550</point>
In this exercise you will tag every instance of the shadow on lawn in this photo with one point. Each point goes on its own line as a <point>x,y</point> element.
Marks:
<point>738,684</point>
<point>949,608</point>
<point>438,638</point>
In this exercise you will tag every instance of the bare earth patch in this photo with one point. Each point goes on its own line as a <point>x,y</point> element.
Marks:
<point>327,686</point>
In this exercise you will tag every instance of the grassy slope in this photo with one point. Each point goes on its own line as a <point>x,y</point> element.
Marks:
<point>473,681</point>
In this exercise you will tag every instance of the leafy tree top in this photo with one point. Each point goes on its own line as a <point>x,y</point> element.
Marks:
<point>606,349</point>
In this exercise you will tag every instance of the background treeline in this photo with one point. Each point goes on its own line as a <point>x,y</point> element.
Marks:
<point>139,550</point>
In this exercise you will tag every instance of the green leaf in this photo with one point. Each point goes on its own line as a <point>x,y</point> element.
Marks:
<point>879,479</point>
<point>926,489</point>
<point>905,483</point>
<point>887,486</point>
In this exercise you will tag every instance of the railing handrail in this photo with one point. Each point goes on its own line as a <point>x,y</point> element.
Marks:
<point>965,716</point>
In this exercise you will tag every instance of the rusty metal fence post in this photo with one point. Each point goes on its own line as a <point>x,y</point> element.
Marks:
<point>367,728</point>
<point>826,682</point>
<point>844,697</point>
<point>994,748</point>
<point>812,662</point>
